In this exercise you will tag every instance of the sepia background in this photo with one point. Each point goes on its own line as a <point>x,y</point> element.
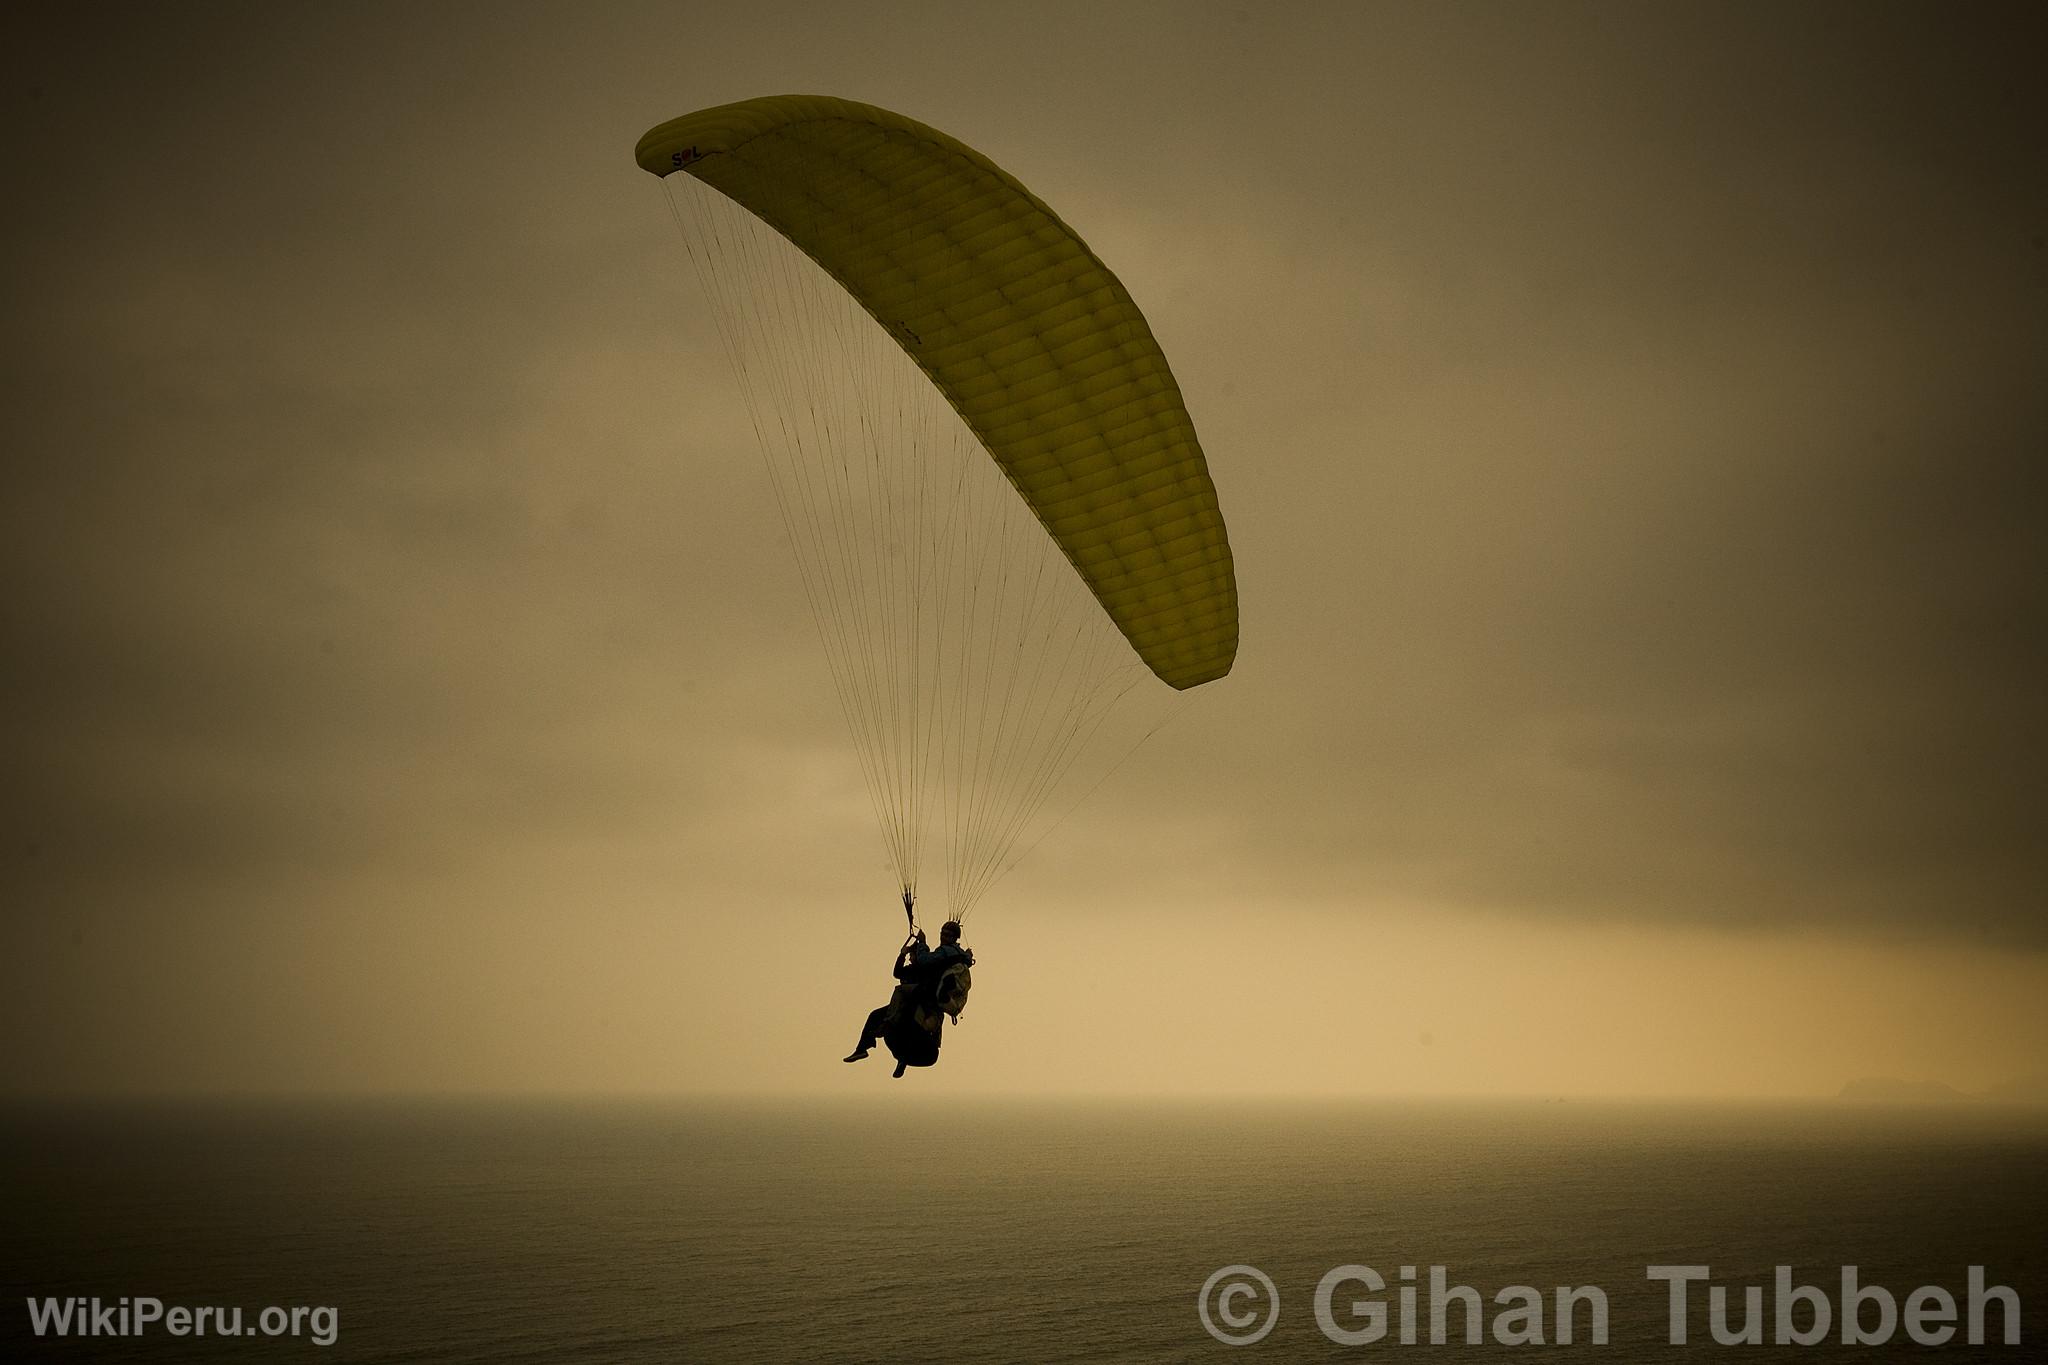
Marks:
<point>1630,426</point>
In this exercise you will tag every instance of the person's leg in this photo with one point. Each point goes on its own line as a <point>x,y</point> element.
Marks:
<point>878,1020</point>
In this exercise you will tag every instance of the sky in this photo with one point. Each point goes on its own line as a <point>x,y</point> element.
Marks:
<point>1628,420</point>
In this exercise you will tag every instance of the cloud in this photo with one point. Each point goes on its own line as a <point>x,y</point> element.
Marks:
<point>1629,426</point>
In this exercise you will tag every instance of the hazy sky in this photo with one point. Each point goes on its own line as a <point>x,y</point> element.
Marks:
<point>1629,421</point>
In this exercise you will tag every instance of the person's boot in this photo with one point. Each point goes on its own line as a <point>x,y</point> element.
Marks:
<point>857,1054</point>
<point>899,1072</point>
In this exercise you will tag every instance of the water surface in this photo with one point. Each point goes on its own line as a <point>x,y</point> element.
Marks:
<point>905,1229</point>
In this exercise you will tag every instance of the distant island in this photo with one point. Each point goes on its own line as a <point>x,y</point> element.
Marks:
<point>1892,1090</point>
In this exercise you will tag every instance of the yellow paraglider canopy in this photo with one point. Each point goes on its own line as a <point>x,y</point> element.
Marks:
<point>1029,337</point>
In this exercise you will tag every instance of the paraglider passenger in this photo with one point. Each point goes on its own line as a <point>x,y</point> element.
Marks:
<point>917,971</point>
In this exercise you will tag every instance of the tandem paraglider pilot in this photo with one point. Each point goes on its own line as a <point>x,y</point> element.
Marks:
<point>932,986</point>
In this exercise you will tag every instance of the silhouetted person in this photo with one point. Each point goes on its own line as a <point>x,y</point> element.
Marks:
<point>918,972</point>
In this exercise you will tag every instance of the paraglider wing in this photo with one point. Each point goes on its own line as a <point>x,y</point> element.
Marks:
<point>1028,335</point>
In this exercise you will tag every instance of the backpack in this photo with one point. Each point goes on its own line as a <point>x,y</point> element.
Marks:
<point>950,992</point>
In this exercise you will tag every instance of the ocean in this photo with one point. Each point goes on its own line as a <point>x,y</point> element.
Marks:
<point>904,1229</point>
